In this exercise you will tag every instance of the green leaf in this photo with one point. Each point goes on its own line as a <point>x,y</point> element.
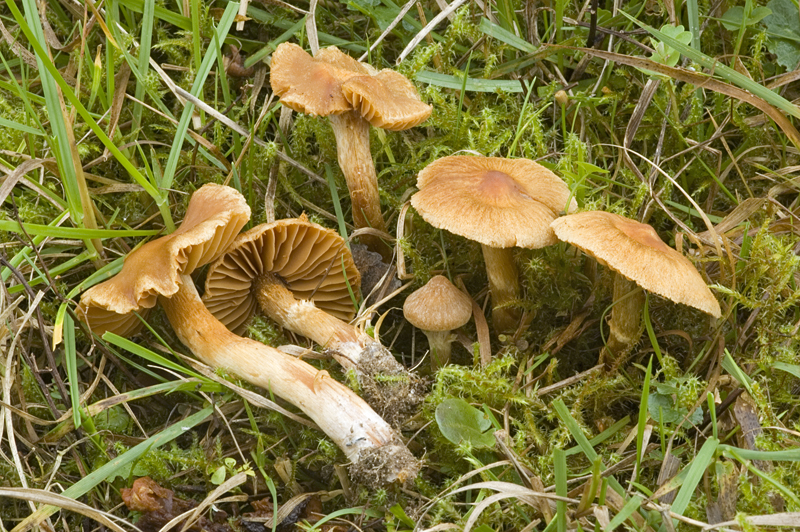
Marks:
<point>665,54</point>
<point>401,515</point>
<point>792,369</point>
<point>459,421</point>
<point>783,26</point>
<point>733,18</point>
<point>493,30</point>
<point>472,84</point>
<point>219,476</point>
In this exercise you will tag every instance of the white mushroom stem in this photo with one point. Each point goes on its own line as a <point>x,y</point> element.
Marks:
<point>366,439</point>
<point>439,342</point>
<point>504,284</point>
<point>305,319</point>
<point>626,321</point>
<point>355,159</point>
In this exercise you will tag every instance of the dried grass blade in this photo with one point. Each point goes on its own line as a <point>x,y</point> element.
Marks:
<point>703,81</point>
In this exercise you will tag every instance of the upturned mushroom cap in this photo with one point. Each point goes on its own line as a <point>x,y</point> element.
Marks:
<point>438,306</point>
<point>498,202</point>
<point>214,217</point>
<point>305,256</point>
<point>635,251</point>
<point>312,85</point>
<point>386,100</point>
<point>333,83</point>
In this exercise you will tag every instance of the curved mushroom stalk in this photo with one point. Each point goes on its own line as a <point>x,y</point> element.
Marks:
<point>355,159</point>
<point>626,322</point>
<point>504,284</point>
<point>384,382</point>
<point>440,343</point>
<point>305,319</point>
<point>377,454</point>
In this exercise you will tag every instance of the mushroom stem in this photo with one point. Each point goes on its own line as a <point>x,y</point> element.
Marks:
<point>504,284</point>
<point>439,342</point>
<point>355,160</point>
<point>367,440</point>
<point>626,321</point>
<point>305,319</point>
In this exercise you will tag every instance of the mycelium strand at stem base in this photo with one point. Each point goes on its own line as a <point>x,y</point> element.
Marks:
<point>352,146</point>
<point>378,456</point>
<point>386,384</point>
<point>504,284</point>
<point>626,322</point>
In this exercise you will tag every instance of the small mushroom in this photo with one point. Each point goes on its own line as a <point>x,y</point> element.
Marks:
<point>500,203</point>
<point>436,309</point>
<point>160,271</point>
<point>639,257</point>
<point>302,275</point>
<point>352,95</point>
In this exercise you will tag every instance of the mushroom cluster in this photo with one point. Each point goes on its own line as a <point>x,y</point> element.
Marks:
<point>302,275</point>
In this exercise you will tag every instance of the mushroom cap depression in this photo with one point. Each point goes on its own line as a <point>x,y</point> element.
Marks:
<point>214,217</point>
<point>438,306</point>
<point>498,202</point>
<point>307,257</point>
<point>333,83</point>
<point>635,251</point>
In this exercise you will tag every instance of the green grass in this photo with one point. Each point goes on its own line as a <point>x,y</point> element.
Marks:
<point>91,168</point>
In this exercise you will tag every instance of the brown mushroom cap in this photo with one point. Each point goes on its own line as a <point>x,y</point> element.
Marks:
<point>214,217</point>
<point>333,83</point>
<point>438,306</point>
<point>498,202</point>
<point>635,251</point>
<point>387,100</point>
<point>304,255</point>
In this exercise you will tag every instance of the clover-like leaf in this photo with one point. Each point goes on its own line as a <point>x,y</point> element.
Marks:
<point>459,421</point>
<point>732,19</point>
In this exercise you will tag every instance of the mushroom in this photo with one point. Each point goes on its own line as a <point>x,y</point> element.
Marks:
<point>500,203</point>
<point>352,95</point>
<point>160,270</point>
<point>437,308</point>
<point>302,276</point>
<point>639,257</point>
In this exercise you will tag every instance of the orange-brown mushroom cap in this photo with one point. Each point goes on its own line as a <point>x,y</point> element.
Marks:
<point>333,83</point>
<point>498,202</point>
<point>387,100</point>
<point>438,306</point>
<point>312,85</point>
<point>307,257</point>
<point>635,251</point>
<point>214,217</point>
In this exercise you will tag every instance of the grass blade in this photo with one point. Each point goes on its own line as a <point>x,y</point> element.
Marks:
<point>183,125</point>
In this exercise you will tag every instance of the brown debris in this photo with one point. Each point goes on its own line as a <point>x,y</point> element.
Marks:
<point>159,506</point>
